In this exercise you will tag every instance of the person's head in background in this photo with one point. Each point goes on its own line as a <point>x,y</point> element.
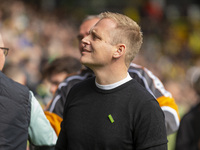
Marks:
<point>85,27</point>
<point>60,68</point>
<point>3,53</point>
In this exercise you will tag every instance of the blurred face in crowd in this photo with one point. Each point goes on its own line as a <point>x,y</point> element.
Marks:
<point>85,28</point>
<point>55,80</point>
<point>2,55</point>
<point>97,49</point>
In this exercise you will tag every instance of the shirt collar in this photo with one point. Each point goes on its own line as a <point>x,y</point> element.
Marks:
<point>114,85</point>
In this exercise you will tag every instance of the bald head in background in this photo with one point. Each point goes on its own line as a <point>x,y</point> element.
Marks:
<point>85,27</point>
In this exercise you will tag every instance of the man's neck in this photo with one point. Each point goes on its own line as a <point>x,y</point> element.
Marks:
<point>107,76</point>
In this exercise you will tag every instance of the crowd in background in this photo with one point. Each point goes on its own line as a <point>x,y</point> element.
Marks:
<point>171,47</point>
<point>35,39</point>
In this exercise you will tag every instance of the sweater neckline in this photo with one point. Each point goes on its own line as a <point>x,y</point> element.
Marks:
<point>114,85</point>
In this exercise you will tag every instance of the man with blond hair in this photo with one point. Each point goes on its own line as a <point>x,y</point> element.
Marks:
<point>141,74</point>
<point>111,110</point>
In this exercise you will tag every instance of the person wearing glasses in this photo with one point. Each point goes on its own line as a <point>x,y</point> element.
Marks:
<point>5,50</point>
<point>21,116</point>
<point>188,134</point>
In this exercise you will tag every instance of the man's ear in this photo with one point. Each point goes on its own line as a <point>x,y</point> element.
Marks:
<point>119,51</point>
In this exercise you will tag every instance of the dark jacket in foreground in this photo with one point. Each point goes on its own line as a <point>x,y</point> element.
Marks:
<point>15,110</point>
<point>188,135</point>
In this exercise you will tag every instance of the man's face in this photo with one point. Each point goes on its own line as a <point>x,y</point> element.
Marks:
<point>85,28</point>
<point>2,56</point>
<point>97,50</point>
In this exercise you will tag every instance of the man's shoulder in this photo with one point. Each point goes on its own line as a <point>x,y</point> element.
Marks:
<point>85,83</point>
<point>82,87</point>
<point>10,83</point>
<point>138,91</point>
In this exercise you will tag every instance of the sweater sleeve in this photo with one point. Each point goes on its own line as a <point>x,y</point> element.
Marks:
<point>40,131</point>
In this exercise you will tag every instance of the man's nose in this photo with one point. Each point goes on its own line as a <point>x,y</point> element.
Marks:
<point>85,41</point>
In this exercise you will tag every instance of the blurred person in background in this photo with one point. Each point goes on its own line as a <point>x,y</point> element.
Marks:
<point>188,135</point>
<point>141,74</point>
<point>55,72</point>
<point>22,117</point>
<point>59,69</point>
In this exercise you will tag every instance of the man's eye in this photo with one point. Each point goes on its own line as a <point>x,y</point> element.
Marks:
<point>94,37</point>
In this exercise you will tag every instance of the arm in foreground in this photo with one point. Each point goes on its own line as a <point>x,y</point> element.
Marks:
<point>41,134</point>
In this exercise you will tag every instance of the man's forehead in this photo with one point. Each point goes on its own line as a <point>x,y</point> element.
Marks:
<point>103,24</point>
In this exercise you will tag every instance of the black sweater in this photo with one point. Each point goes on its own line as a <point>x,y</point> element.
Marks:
<point>138,119</point>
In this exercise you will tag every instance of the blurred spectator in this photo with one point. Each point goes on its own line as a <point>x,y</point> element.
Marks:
<point>188,136</point>
<point>57,70</point>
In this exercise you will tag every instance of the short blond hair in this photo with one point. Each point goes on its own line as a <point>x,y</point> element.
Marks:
<point>128,32</point>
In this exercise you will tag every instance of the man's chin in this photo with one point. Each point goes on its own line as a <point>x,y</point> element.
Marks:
<point>83,60</point>
<point>87,64</point>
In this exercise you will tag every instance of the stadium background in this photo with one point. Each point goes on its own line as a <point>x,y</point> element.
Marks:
<point>38,31</point>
